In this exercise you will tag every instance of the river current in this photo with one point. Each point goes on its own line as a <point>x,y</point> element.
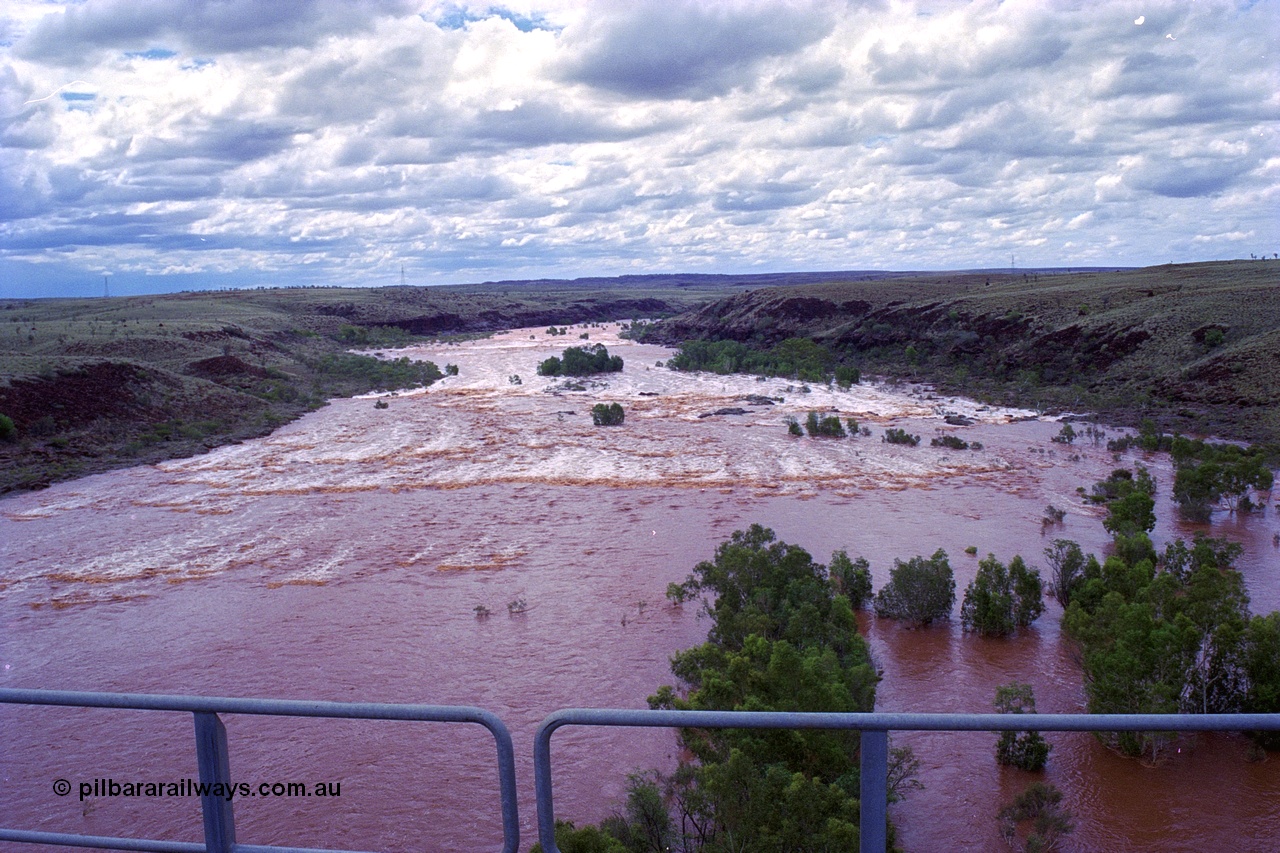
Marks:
<point>345,556</point>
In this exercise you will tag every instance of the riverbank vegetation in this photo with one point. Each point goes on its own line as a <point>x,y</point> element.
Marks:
<point>1189,346</point>
<point>1163,631</point>
<point>797,358</point>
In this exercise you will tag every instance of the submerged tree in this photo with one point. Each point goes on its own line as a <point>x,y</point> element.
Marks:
<point>1068,569</point>
<point>782,639</point>
<point>1001,600</point>
<point>1129,499</point>
<point>1027,750</point>
<point>851,578</point>
<point>610,414</point>
<point>828,426</point>
<point>581,361</point>
<point>1208,473</point>
<point>1170,635</point>
<point>1039,812</point>
<point>919,591</point>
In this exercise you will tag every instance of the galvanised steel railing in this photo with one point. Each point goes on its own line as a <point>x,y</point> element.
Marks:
<point>214,765</point>
<point>875,728</point>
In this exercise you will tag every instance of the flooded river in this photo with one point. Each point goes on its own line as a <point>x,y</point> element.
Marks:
<point>344,558</point>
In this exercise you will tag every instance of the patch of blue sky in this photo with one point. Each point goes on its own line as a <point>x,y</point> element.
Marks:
<point>78,100</point>
<point>152,53</point>
<point>457,18</point>
<point>197,63</point>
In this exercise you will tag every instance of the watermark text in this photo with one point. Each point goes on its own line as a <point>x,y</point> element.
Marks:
<point>193,788</point>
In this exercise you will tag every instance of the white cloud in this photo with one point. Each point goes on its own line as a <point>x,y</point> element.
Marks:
<point>337,140</point>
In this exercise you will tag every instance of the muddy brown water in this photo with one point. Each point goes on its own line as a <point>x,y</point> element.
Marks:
<point>343,557</point>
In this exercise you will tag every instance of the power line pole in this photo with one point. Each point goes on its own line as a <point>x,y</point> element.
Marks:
<point>106,289</point>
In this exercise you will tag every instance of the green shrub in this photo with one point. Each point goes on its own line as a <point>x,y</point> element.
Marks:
<point>950,441</point>
<point>581,361</point>
<point>799,358</point>
<point>893,435</point>
<point>919,591</point>
<point>1130,501</point>
<point>827,427</point>
<point>372,372</point>
<point>1040,807</point>
<point>607,415</point>
<point>851,578</point>
<point>846,376</point>
<point>1001,600</point>
<point>7,430</point>
<point>1028,750</point>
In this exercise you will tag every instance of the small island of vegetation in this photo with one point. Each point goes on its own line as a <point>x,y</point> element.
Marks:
<point>581,361</point>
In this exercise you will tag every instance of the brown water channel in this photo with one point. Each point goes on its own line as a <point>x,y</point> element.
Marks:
<point>342,558</point>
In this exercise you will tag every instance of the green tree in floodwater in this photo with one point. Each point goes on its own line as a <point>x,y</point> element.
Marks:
<point>1001,600</point>
<point>1037,811</point>
<point>1026,750</point>
<point>920,591</point>
<point>783,638</point>
<point>851,578</point>
<point>610,414</point>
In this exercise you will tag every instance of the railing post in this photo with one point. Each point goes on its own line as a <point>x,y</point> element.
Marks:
<point>542,785</point>
<point>874,793</point>
<point>215,768</point>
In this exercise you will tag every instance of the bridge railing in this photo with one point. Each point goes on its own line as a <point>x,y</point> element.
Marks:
<point>875,728</point>
<point>214,761</point>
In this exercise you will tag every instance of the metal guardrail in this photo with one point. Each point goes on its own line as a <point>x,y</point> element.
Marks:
<point>875,729</point>
<point>214,764</point>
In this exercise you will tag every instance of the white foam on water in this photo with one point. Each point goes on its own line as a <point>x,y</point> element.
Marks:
<point>477,429</point>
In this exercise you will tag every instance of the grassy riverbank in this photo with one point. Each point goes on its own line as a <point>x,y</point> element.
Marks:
<point>1194,347</point>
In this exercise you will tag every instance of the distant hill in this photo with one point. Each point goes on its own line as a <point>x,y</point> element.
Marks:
<point>1195,347</point>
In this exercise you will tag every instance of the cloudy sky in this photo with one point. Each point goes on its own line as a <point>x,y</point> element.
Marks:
<point>206,143</point>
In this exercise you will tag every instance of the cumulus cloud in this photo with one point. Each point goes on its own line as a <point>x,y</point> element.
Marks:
<point>474,140</point>
<point>78,31</point>
<point>686,49</point>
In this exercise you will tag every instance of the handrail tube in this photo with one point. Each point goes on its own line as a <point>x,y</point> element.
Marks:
<point>143,845</point>
<point>872,836</point>
<point>101,842</point>
<point>210,706</point>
